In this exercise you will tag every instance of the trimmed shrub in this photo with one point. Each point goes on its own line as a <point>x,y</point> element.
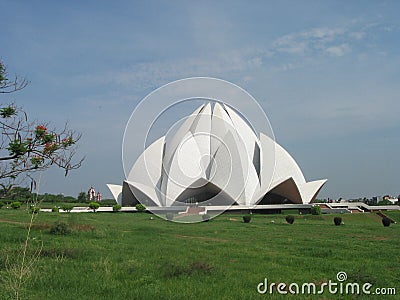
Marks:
<point>60,228</point>
<point>337,221</point>
<point>316,210</point>
<point>67,207</point>
<point>55,209</point>
<point>169,216</point>
<point>1,204</point>
<point>386,221</point>
<point>116,207</point>
<point>290,219</point>
<point>247,219</point>
<point>140,207</point>
<point>16,205</point>
<point>94,206</point>
<point>33,209</point>
<point>205,217</point>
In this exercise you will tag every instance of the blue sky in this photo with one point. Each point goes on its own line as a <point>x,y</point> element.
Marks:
<point>325,72</point>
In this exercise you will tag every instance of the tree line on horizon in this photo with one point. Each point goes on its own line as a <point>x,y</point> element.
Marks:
<point>24,195</point>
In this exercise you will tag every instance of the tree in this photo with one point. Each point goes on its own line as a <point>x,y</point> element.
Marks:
<point>29,146</point>
<point>82,197</point>
<point>94,206</point>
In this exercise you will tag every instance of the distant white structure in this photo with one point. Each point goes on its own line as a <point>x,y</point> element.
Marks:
<point>91,194</point>
<point>215,158</point>
<point>98,197</point>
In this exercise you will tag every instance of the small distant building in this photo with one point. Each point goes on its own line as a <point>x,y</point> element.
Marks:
<point>98,197</point>
<point>91,194</point>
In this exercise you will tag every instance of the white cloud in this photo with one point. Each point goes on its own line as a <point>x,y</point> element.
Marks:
<point>338,50</point>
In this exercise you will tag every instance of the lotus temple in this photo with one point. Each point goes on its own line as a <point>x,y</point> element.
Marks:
<point>215,159</point>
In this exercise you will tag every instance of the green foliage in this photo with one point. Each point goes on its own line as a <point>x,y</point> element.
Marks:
<point>116,207</point>
<point>33,209</point>
<point>56,198</point>
<point>337,220</point>
<point>17,148</point>
<point>289,219</point>
<point>316,210</point>
<point>386,221</point>
<point>140,207</point>
<point>60,228</point>
<point>55,209</point>
<point>82,198</point>
<point>7,111</point>
<point>94,206</point>
<point>67,207</point>
<point>169,216</point>
<point>1,204</point>
<point>107,202</point>
<point>16,204</point>
<point>385,202</point>
<point>247,219</point>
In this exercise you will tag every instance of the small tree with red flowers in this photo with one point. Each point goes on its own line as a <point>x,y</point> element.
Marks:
<point>28,146</point>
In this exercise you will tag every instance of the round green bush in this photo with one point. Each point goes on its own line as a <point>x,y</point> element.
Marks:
<point>94,206</point>
<point>67,207</point>
<point>60,228</point>
<point>290,219</point>
<point>116,207</point>
<point>16,205</point>
<point>337,221</point>
<point>1,204</point>
<point>247,219</point>
<point>140,207</point>
<point>316,210</point>
<point>33,209</point>
<point>55,209</point>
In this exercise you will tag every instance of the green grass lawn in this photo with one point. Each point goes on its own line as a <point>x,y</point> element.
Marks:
<point>131,256</point>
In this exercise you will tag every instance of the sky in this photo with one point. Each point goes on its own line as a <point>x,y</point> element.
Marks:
<point>326,73</point>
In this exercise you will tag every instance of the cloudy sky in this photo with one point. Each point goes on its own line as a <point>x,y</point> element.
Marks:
<point>325,72</point>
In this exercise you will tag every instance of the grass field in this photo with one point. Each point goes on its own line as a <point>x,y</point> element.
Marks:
<point>131,256</point>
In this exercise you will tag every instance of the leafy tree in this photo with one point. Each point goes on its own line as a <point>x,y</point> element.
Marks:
<point>67,207</point>
<point>69,199</point>
<point>82,197</point>
<point>28,146</point>
<point>94,206</point>
<point>17,194</point>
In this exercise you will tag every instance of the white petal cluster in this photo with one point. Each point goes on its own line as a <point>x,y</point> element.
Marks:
<point>216,157</point>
